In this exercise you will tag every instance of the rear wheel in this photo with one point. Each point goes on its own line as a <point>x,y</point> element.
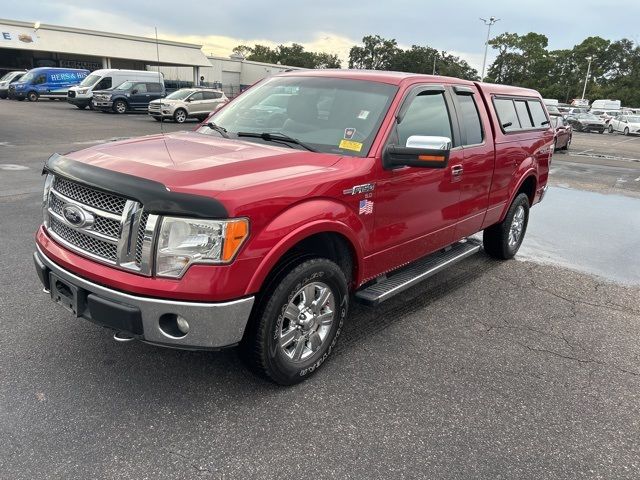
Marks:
<point>626,131</point>
<point>180,115</point>
<point>297,323</point>
<point>120,106</point>
<point>610,128</point>
<point>503,239</point>
<point>32,96</point>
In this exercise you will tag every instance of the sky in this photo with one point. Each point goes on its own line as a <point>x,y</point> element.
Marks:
<point>334,26</point>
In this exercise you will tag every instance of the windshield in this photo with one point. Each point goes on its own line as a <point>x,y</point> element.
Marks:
<point>179,95</point>
<point>90,81</point>
<point>124,86</point>
<point>328,114</point>
<point>27,78</point>
<point>633,119</point>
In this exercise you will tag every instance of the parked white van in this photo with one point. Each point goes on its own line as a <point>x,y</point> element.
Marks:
<point>606,104</point>
<point>104,79</point>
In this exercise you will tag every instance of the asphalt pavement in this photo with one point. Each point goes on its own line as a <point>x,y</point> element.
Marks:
<point>521,369</point>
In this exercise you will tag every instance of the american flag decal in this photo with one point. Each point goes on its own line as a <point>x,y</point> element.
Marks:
<point>366,207</point>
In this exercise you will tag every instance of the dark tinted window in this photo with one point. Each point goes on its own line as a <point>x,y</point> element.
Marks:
<point>507,114</point>
<point>523,114</point>
<point>103,84</point>
<point>154,87</point>
<point>196,97</point>
<point>427,115</point>
<point>40,79</point>
<point>537,113</point>
<point>470,119</point>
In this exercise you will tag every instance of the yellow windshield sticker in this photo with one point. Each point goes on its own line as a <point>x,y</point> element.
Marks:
<point>350,145</point>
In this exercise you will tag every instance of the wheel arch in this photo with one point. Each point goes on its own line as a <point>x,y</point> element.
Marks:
<point>527,183</point>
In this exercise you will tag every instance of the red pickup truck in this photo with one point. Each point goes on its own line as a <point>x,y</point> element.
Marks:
<point>309,191</point>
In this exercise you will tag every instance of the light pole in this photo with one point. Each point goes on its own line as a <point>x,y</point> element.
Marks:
<point>488,23</point>
<point>586,79</point>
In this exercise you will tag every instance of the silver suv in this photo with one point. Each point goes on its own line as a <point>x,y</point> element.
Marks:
<point>187,103</point>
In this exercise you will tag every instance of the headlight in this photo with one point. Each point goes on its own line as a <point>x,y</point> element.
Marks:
<point>82,91</point>
<point>185,241</point>
<point>48,182</point>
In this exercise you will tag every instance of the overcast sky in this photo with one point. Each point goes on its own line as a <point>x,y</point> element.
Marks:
<point>335,25</point>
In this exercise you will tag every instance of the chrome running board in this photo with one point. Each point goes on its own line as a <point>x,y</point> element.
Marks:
<point>417,271</point>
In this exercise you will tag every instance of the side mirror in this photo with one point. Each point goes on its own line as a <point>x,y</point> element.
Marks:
<point>420,151</point>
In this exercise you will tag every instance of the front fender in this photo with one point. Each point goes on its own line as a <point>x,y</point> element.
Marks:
<point>299,222</point>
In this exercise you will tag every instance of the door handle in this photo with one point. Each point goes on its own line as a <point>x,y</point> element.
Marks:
<point>456,173</point>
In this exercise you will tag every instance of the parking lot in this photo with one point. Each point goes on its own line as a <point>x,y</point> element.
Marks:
<point>521,369</point>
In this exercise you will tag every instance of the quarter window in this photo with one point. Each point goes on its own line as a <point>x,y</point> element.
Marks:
<point>212,95</point>
<point>427,115</point>
<point>470,119</point>
<point>507,114</point>
<point>154,87</point>
<point>537,113</point>
<point>523,114</point>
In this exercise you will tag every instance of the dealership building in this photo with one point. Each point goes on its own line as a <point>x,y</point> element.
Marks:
<point>25,45</point>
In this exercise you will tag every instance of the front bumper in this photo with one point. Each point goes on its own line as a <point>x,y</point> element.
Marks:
<point>79,102</point>
<point>211,325</point>
<point>102,105</point>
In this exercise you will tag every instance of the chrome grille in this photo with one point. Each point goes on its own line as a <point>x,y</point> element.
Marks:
<point>89,196</point>
<point>111,227</point>
<point>155,106</point>
<point>108,251</point>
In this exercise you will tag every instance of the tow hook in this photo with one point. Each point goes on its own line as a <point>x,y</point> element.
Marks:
<point>122,337</point>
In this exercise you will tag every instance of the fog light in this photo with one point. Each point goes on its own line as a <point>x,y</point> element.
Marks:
<point>183,325</point>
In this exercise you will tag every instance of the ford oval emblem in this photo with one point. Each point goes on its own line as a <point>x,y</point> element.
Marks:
<point>74,215</point>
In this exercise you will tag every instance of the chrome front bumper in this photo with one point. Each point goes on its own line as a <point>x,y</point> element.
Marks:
<point>211,325</point>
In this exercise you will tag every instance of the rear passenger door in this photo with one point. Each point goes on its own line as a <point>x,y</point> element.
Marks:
<point>154,92</point>
<point>139,96</point>
<point>212,100</point>
<point>475,169</point>
<point>197,104</point>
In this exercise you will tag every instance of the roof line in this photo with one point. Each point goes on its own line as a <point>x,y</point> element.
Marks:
<point>59,28</point>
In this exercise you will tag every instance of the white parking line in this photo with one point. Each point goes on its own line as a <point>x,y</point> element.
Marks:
<point>637,179</point>
<point>12,166</point>
<point>624,141</point>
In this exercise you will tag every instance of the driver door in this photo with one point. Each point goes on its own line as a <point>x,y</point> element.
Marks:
<point>416,208</point>
<point>139,95</point>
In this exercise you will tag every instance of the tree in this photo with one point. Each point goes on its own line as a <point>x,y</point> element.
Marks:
<point>377,53</point>
<point>294,55</point>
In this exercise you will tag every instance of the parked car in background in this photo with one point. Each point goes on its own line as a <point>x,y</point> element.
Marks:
<point>553,110</point>
<point>187,103</point>
<point>576,111</point>
<point>606,104</point>
<point>46,82</point>
<point>9,78</point>
<point>586,122</point>
<point>580,102</point>
<point>127,96</point>
<point>81,95</point>
<point>605,115</point>
<point>564,132</point>
<point>627,124</point>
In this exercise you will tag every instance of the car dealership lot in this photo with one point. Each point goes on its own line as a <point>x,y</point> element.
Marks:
<point>515,370</point>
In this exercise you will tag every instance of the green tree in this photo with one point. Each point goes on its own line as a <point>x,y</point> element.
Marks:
<point>294,55</point>
<point>377,53</point>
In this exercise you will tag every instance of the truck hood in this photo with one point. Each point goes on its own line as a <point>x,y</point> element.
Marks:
<point>206,164</point>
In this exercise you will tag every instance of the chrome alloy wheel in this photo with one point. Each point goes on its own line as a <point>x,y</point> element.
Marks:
<point>180,116</point>
<point>517,225</point>
<point>307,321</point>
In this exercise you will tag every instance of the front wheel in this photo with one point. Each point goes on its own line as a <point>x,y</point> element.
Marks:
<point>180,115</point>
<point>120,106</point>
<point>295,327</point>
<point>610,128</point>
<point>32,96</point>
<point>503,239</point>
<point>626,131</point>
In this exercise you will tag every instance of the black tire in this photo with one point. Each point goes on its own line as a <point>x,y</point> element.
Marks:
<point>81,107</point>
<point>157,119</point>
<point>120,106</point>
<point>32,96</point>
<point>260,346</point>
<point>496,237</point>
<point>20,99</point>
<point>601,131</point>
<point>626,131</point>
<point>610,128</point>
<point>180,115</point>
<point>566,147</point>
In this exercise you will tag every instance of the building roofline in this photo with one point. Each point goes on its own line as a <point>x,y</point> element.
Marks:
<point>84,31</point>
<point>253,62</point>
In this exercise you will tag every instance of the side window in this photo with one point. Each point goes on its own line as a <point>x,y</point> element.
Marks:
<point>427,115</point>
<point>523,114</point>
<point>507,114</point>
<point>154,87</point>
<point>537,113</point>
<point>40,79</point>
<point>103,84</point>
<point>196,97</point>
<point>470,118</point>
<point>140,87</point>
<point>212,95</point>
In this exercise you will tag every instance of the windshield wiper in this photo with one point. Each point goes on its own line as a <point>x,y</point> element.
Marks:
<point>276,137</point>
<point>221,130</point>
